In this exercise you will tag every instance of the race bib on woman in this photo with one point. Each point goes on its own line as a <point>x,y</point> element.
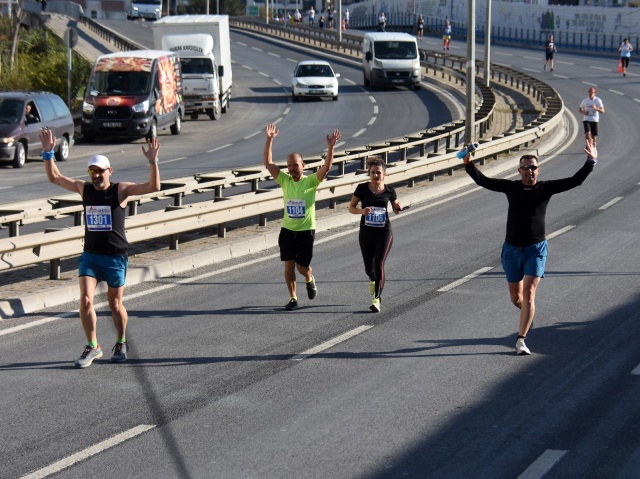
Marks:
<point>377,217</point>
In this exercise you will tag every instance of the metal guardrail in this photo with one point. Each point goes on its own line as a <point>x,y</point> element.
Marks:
<point>413,161</point>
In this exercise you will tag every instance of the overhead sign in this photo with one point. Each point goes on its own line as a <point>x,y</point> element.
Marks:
<point>70,37</point>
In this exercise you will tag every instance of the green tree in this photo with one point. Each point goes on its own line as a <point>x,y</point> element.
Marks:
<point>40,62</point>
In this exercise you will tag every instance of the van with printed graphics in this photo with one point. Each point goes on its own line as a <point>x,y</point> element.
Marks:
<point>390,59</point>
<point>133,94</point>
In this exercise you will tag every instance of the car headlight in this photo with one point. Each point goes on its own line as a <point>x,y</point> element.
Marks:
<point>416,72</point>
<point>300,85</point>
<point>141,107</point>
<point>6,141</point>
<point>87,107</point>
<point>135,9</point>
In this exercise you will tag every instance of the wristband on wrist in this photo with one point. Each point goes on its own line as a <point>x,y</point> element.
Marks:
<point>151,162</point>
<point>47,155</point>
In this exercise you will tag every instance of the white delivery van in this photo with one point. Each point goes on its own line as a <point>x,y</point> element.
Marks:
<point>147,9</point>
<point>203,45</point>
<point>390,59</point>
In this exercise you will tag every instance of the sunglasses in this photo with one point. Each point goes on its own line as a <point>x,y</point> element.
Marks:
<point>95,171</point>
<point>529,167</point>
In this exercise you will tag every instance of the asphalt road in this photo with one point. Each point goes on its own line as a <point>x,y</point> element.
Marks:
<point>221,382</point>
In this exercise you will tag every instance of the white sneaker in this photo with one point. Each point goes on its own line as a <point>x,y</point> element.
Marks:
<point>521,348</point>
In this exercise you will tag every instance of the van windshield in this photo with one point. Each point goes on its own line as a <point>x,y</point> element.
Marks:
<point>192,66</point>
<point>119,83</point>
<point>10,111</point>
<point>394,50</point>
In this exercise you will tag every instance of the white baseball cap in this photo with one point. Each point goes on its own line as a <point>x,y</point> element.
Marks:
<point>100,161</point>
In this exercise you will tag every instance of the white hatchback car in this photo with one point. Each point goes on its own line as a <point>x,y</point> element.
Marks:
<point>314,78</point>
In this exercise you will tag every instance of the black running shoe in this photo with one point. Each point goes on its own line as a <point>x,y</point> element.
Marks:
<point>291,305</point>
<point>312,291</point>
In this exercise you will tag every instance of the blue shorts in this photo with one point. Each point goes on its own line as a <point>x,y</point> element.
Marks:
<point>111,269</point>
<point>529,260</point>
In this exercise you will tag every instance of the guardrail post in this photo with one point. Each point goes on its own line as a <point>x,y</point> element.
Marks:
<point>173,238</point>
<point>133,208</point>
<point>14,228</point>
<point>54,264</point>
<point>78,218</point>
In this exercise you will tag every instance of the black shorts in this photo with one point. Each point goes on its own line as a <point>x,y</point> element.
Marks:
<point>591,127</point>
<point>297,246</point>
<point>548,55</point>
<point>625,62</point>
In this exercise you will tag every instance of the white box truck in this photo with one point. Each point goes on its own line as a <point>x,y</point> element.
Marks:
<point>391,59</point>
<point>203,45</point>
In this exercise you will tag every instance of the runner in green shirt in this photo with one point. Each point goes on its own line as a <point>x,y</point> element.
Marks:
<point>298,225</point>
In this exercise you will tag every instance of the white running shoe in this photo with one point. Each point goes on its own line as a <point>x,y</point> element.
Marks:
<point>521,348</point>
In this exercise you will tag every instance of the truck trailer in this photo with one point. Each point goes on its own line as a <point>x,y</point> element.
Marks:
<point>204,48</point>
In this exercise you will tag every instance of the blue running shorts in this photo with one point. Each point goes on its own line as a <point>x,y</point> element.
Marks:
<point>520,261</point>
<point>111,269</point>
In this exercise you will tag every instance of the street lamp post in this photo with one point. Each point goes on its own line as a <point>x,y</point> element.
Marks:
<point>470,118</point>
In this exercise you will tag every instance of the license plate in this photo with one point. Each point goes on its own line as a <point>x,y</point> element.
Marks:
<point>112,124</point>
<point>316,92</point>
<point>397,81</point>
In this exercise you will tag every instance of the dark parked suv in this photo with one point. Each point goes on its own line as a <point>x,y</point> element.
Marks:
<point>23,115</point>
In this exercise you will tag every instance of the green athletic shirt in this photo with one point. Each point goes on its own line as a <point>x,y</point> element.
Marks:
<point>299,198</point>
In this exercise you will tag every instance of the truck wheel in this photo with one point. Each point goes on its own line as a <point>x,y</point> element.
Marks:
<point>153,130</point>
<point>176,128</point>
<point>20,156</point>
<point>416,86</point>
<point>225,109</point>
<point>335,98</point>
<point>366,80</point>
<point>215,113</point>
<point>63,150</point>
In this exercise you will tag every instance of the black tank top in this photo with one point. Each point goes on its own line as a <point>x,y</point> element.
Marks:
<point>104,221</point>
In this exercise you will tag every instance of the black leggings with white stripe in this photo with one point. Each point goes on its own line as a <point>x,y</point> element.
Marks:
<point>375,244</point>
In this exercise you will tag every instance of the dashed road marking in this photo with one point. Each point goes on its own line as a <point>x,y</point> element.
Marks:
<point>543,464</point>
<point>332,342</point>
<point>610,203</point>
<point>88,452</point>
<point>468,277</point>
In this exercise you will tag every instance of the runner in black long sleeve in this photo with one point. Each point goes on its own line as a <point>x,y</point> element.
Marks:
<point>524,252</point>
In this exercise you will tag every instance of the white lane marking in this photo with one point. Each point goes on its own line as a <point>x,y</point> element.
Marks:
<point>561,76</point>
<point>375,109</point>
<point>616,92</point>
<point>372,121</point>
<point>349,81</point>
<point>292,60</point>
<point>610,203</point>
<point>263,74</point>
<point>636,370</point>
<point>247,67</point>
<point>38,322</point>
<point>243,44</point>
<point>274,54</point>
<point>162,162</point>
<point>560,62</point>
<point>637,99</point>
<point>359,133</point>
<point>373,100</point>
<point>220,147</point>
<point>560,231</point>
<point>277,82</point>
<point>468,277</point>
<point>532,58</point>
<point>332,342</point>
<point>589,83</point>
<point>601,68</point>
<point>286,110</point>
<point>88,452</point>
<point>257,49</point>
<point>543,464</point>
<point>9,187</point>
<point>503,54</point>
<point>252,135</point>
<point>532,69</point>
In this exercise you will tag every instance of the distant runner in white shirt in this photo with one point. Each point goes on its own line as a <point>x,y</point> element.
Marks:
<point>591,107</point>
